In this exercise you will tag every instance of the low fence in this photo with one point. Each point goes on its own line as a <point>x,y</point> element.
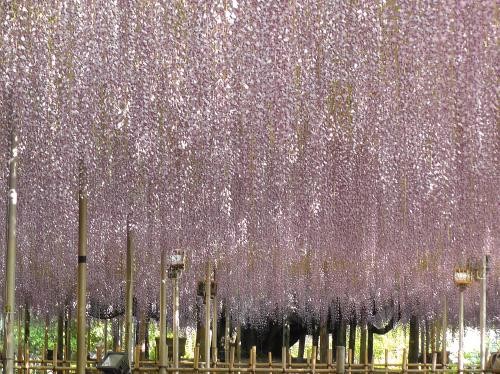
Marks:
<point>311,366</point>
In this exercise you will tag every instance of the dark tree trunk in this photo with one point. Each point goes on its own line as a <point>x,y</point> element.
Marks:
<point>352,336</point>
<point>27,319</point>
<point>60,337</point>
<point>413,346</point>
<point>323,336</point>
<point>302,346</point>
<point>315,336</point>
<point>67,334</point>
<point>370,346</point>
<point>146,338</point>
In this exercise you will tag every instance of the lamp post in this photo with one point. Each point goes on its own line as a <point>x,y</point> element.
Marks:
<point>462,278</point>
<point>177,263</point>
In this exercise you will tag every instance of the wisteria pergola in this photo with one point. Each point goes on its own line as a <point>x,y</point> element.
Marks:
<point>317,153</point>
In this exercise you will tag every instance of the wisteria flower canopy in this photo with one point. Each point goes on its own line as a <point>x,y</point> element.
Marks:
<point>318,153</point>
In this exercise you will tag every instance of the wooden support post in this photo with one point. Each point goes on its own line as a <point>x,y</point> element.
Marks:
<point>270,359</point>
<point>231,358</point>
<point>253,358</point>
<point>350,360</point>
<point>424,356</point>
<point>226,334</point>
<point>313,359</point>
<point>238,342</point>
<point>444,328</point>
<point>340,359</point>
<point>27,359</point>
<point>105,350</point>
<point>386,361</point>
<point>196,357</point>
<point>54,357</point>
<point>81,361</point>
<point>208,283</point>
<point>323,340</point>
<point>98,354</point>
<point>137,358</point>
<point>214,330</point>
<point>329,358</point>
<point>20,352</point>
<point>67,335</point>
<point>433,337</point>
<point>129,299</point>
<point>363,352</point>
<point>175,321</point>
<point>434,361</point>
<point>46,338</point>
<point>405,361</point>
<point>10,260</point>
<point>283,358</point>
<point>89,328</point>
<point>162,344</point>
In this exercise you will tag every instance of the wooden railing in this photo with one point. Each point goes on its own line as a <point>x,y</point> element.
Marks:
<point>311,366</point>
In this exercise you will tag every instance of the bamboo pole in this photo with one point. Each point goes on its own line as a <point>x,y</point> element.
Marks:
<point>81,361</point>
<point>129,338</point>
<point>10,276</point>
<point>163,318</point>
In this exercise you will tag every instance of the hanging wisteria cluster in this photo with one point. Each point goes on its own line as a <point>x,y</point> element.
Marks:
<point>319,153</point>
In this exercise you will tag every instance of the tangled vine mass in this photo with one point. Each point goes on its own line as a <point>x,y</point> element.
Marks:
<point>318,153</point>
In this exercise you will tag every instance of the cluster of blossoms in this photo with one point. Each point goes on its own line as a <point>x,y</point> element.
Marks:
<point>318,153</point>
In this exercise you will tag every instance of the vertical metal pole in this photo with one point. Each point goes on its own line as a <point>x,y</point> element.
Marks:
<point>445,328</point>
<point>175,322</point>
<point>208,282</point>
<point>129,337</point>
<point>214,330</point>
<point>482,317</point>
<point>163,318</point>
<point>10,271</point>
<point>81,350</point>
<point>461,332</point>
